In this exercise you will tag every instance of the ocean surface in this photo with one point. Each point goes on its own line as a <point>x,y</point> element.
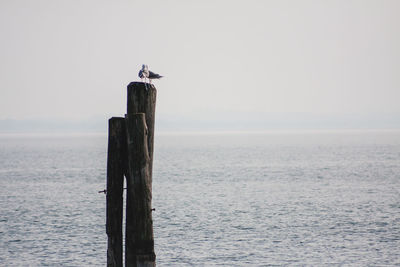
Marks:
<point>309,198</point>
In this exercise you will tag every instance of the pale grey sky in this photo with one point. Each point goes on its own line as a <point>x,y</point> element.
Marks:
<point>73,59</point>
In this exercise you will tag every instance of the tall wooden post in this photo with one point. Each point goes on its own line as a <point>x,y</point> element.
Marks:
<point>115,181</point>
<point>139,223</point>
<point>142,99</point>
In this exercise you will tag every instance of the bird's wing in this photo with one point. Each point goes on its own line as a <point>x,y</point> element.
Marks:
<point>153,75</point>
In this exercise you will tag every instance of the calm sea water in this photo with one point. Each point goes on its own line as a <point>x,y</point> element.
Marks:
<point>238,199</point>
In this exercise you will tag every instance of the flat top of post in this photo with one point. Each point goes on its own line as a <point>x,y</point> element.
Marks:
<point>141,85</point>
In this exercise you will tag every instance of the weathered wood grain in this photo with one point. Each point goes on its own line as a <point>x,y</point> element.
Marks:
<point>116,162</point>
<point>142,99</point>
<point>139,241</point>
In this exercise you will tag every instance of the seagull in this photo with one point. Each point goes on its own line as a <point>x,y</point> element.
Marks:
<point>146,73</point>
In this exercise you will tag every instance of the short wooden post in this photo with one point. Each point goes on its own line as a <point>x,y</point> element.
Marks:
<point>139,241</point>
<point>115,181</point>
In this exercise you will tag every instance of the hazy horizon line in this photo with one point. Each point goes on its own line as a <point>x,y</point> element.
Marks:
<point>233,121</point>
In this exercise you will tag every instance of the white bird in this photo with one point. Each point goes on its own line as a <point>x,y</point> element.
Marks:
<point>145,73</point>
